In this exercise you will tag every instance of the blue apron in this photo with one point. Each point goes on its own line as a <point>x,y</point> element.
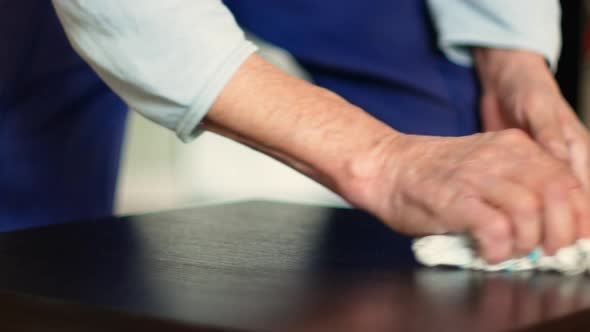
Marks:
<point>379,54</point>
<point>61,128</point>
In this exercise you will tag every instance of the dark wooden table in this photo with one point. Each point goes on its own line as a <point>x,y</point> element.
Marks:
<point>260,266</point>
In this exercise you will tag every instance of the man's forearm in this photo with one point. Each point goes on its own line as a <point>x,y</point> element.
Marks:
<point>306,127</point>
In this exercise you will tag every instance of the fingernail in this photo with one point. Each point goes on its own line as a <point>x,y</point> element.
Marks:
<point>439,230</point>
<point>499,251</point>
<point>549,248</point>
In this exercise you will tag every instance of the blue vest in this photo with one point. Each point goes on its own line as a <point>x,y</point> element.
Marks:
<point>61,128</point>
<point>378,54</point>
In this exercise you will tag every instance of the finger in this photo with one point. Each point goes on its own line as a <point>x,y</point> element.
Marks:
<point>578,141</point>
<point>488,227</point>
<point>545,127</point>
<point>419,222</point>
<point>522,207</point>
<point>579,200</point>
<point>579,153</point>
<point>559,223</point>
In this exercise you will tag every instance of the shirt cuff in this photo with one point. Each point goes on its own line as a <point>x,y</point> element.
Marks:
<point>168,60</point>
<point>189,127</point>
<point>532,25</point>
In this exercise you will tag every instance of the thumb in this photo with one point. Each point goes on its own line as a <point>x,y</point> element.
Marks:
<point>545,128</point>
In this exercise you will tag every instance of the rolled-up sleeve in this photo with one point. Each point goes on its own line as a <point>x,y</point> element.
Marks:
<point>168,60</point>
<point>515,24</point>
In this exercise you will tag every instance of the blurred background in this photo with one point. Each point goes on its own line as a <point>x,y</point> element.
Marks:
<point>158,172</point>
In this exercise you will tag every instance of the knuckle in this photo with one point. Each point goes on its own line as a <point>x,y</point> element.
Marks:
<point>533,101</point>
<point>498,228</point>
<point>528,204</point>
<point>570,182</point>
<point>466,177</point>
<point>514,136</point>
<point>489,152</point>
<point>550,137</point>
<point>554,143</point>
<point>493,241</point>
<point>562,182</point>
<point>560,241</point>
<point>526,246</point>
<point>496,253</point>
<point>451,196</point>
<point>527,236</point>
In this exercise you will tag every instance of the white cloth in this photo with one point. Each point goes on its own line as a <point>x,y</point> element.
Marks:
<point>169,60</point>
<point>459,251</point>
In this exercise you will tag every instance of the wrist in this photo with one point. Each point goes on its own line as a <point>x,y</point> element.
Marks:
<point>307,127</point>
<point>499,69</point>
<point>370,175</point>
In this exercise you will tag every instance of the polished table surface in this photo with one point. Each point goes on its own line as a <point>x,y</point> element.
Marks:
<point>261,266</point>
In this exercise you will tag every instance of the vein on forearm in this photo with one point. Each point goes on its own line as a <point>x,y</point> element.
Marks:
<point>307,127</point>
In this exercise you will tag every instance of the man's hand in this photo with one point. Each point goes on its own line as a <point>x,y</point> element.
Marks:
<point>500,187</point>
<point>519,91</point>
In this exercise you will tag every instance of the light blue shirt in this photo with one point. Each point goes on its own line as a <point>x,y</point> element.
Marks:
<point>514,24</point>
<point>169,60</point>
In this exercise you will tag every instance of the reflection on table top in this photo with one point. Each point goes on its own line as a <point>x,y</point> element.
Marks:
<point>260,266</point>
